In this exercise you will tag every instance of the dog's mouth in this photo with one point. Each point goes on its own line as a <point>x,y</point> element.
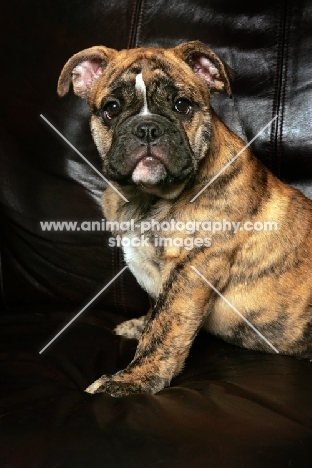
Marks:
<point>149,171</point>
<point>151,168</point>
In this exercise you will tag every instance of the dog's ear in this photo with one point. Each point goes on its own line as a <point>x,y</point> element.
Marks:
<point>82,69</point>
<point>207,65</point>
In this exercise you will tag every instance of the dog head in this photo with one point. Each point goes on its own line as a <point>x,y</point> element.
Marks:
<point>150,112</point>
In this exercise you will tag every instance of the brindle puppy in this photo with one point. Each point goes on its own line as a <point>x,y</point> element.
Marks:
<point>161,143</point>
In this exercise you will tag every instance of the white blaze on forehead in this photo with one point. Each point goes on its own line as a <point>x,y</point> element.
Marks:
<point>141,88</point>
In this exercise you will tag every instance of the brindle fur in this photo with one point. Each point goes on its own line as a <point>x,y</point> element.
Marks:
<point>266,275</point>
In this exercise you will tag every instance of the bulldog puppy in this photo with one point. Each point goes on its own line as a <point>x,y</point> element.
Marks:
<point>161,144</point>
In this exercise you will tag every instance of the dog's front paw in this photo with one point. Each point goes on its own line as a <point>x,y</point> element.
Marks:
<point>106,384</point>
<point>118,385</point>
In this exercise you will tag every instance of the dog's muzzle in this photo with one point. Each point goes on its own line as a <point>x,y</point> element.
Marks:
<point>150,150</point>
<point>151,158</point>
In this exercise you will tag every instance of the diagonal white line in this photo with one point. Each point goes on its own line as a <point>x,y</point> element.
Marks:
<point>82,310</point>
<point>83,157</point>
<point>235,310</point>
<point>233,159</point>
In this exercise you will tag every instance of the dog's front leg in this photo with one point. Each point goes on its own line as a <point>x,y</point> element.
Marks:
<point>164,345</point>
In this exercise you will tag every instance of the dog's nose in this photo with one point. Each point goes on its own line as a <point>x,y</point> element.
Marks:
<point>148,132</point>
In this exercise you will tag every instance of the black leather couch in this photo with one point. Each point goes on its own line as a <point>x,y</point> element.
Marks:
<point>229,407</point>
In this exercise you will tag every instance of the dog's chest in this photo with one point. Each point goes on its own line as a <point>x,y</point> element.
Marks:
<point>144,263</point>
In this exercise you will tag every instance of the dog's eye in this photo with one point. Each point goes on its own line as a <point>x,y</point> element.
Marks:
<point>183,105</point>
<point>111,110</point>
